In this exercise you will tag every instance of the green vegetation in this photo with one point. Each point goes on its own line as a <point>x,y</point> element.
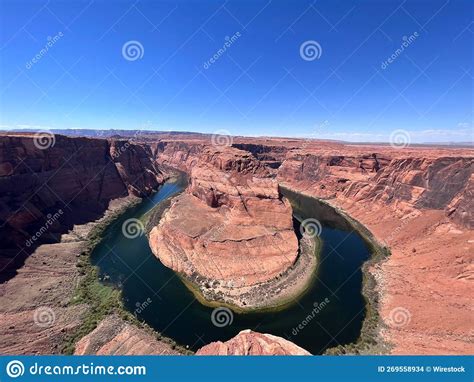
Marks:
<point>102,300</point>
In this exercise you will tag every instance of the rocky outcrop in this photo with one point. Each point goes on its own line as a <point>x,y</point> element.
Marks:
<point>45,190</point>
<point>461,208</point>
<point>270,155</point>
<point>136,166</point>
<point>230,229</point>
<point>248,342</point>
<point>113,336</point>
<point>35,312</point>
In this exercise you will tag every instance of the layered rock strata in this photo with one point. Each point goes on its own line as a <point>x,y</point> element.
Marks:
<point>230,231</point>
<point>418,204</point>
<point>113,336</point>
<point>47,187</point>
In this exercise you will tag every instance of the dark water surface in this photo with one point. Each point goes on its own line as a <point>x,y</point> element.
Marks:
<point>158,297</point>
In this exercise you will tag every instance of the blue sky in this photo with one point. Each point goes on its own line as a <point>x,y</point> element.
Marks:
<point>261,84</point>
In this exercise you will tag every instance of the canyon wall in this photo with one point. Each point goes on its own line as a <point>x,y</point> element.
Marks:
<point>420,205</point>
<point>45,190</point>
<point>114,336</point>
<point>411,182</point>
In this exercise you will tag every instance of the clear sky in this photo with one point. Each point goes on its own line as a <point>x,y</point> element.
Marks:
<point>265,82</point>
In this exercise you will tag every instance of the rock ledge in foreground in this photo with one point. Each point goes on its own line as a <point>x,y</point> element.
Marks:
<point>248,342</point>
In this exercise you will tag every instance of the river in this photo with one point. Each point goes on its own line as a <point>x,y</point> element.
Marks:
<point>331,312</point>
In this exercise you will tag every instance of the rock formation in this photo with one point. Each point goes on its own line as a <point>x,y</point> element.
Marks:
<point>113,336</point>
<point>420,205</point>
<point>230,229</point>
<point>73,180</point>
<point>248,342</point>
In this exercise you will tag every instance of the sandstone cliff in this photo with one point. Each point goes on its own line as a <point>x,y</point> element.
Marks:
<point>44,191</point>
<point>410,182</point>
<point>230,229</point>
<point>419,204</point>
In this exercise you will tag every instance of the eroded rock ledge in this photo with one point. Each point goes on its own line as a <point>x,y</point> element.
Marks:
<point>230,231</point>
<point>248,342</point>
<point>113,336</point>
